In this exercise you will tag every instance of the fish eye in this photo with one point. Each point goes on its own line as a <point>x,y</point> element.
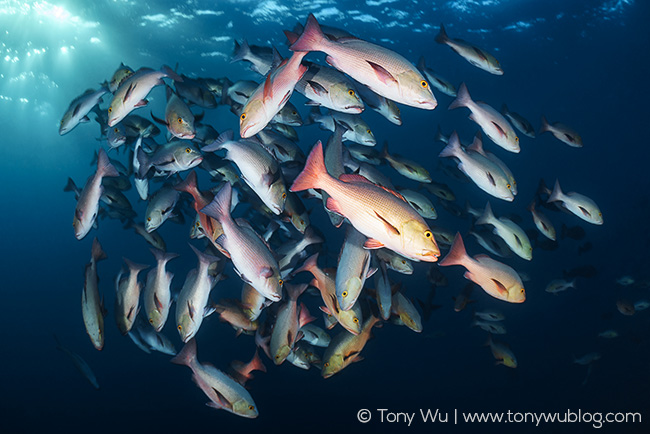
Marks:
<point>508,186</point>
<point>117,130</point>
<point>243,116</point>
<point>600,214</point>
<point>277,356</point>
<point>251,407</point>
<point>516,139</point>
<point>180,328</point>
<point>302,222</point>
<point>280,282</point>
<point>355,320</point>
<point>188,150</point>
<point>403,262</point>
<point>284,195</point>
<point>327,364</point>
<point>180,120</point>
<point>424,84</point>
<point>344,294</point>
<point>110,109</point>
<point>523,290</point>
<point>294,113</point>
<point>150,320</point>
<point>428,234</point>
<point>351,92</point>
<point>368,131</point>
<point>148,219</point>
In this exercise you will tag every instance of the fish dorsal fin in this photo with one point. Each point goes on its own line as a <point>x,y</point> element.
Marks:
<point>268,88</point>
<point>382,74</point>
<point>355,177</point>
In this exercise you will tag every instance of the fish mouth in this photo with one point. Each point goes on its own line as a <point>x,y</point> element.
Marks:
<point>244,132</point>
<point>188,136</point>
<point>430,256</point>
<point>427,104</point>
<point>353,108</point>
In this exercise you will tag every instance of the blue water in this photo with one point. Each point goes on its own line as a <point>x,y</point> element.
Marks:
<point>582,63</point>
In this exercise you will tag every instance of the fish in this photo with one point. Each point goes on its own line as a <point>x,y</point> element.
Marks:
<point>518,121</point>
<point>193,298</point>
<point>384,106</point>
<point>327,87</point>
<point>234,313</point>
<point>92,306</point>
<point>562,133</point>
<point>626,280</point>
<point>406,311</point>
<point>578,204</point>
<point>492,243</point>
<point>243,371</point>
<point>382,70</point>
<point>490,316</point>
<point>261,58</point>
<point>380,214</point>
<point>160,207</point>
<point>542,222</point>
<point>559,285</point>
<point>368,171</point>
<point>420,203</point>
<point>407,168</point>
<point>195,92</point>
<point>497,279</point>
<point>345,349</point>
<point>351,319</point>
<point>79,363</point>
<point>353,268</point>
<point>315,335</point>
<point>88,203</point>
<point>288,252</point>
<point>137,126</point>
<point>625,307</point>
<point>284,150</point>
<point>641,305</point>
<point>586,271</point>
<point>121,73</point>
<point>490,327</point>
<point>477,146</point>
<point>157,290</point>
<point>364,154</point>
<point>383,291</point>
<point>440,190</point>
<point>487,175</point>
<point>224,392</point>
<point>587,358</point>
<point>463,298</point>
<point>288,115</point>
<point>270,96</point>
<point>152,339</point>
<point>290,318</point>
<point>356,129</point>
<point>508,231</point>
<point>394,261</point>
<point>238,93</point>
<point>436,80</point>
<point>584,248</point>
<point>79,109</point>
<point>133,91</point>
<point>428,306</point>
<point>259,169</point>
<point>251,256</point>
<point>154,238</point>
<point>296,213</point>
<point>252,302</point>
<point>303,356</point>
<point>286,130</point>
<point>127,296</point>
<point>173,157</point>
<point>502,353</point>
<point>179,119</point>
<point>608,334</point>
<point>493,124</point>
<point>473,54</point>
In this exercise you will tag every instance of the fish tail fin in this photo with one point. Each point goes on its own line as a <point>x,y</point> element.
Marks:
<point>422,64</point>
<point>384,150</point>
<point>97,253</point>
<point>292,37</point>
<point>134,267</point>
<point>310,264</point>
<point>463,99</point>
<point>312,37</point>
<point>311,237</point>
<point>314,173</point>
<point>254,365</point>
<point>441,37</point>
<point>187,356</point>
<point>241,51</point>
<point>305,317</point>
<point>219,208</point>
<point>545,126</point>
<point>170,73</point>
<point>225,99</point>
<point>189,185</point>
<point>204,258</point>
<point>223,138</point>
<point>294,291</point>
<point>487,217</point>
<point>145,163</point>
<point>439,136</point>
<point>162,256</point>
<point>453,148</point>
<point>71,186</point>
<point>504,109</point>
<point>557,194</point>
<point>104,166</point>
<point>531,206</point>
<point>457,254</point>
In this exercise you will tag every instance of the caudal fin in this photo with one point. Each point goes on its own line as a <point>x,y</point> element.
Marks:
<point>487,217</point>
<point>463,99</point>
<point>134,267</point>
<point>219,142</point>
<point>187,356</point>
<point>477,144</point>
<point>441,37</point>
<point>292,37</point>
<point>241,51</point>
<point>422,64</point>
<point>189,185</point>
<point>310,264</point>
<point>545,126</point>
<point>453,148</point>
<point>171,73</point>
<point>312,37</point>
<point>294,291</point>
<point>557,194</point>
<point>219,208</point>
<point>314,173</point>
<point>97,253</point>
<point>162,257</point>
<point>104,166</point>
<point>457,254</point>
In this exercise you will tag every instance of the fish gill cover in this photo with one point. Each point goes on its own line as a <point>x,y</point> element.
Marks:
<point>338,215</point>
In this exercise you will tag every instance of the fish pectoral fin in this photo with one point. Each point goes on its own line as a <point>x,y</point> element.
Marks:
<point>584,211</point>
<point>129,90</point>
<point>518,240</point>
<point>84,119</point>
<point>502,133</point>
<point>317,88</point>
<point>371,243</point>
<point>325,310</point>
<point>351,357</point>
<point>222,402</point>
<point>191,310</point>
<point>491,179</point>
<point>156,300</point>
<point>285,98</point>
<point>392,229</point>
<point>268,88</point>
<point>501,289</point>
<point>141,103</point>
<point>157,119</point>
<point>266,272</point>
<point>382,74</point>
<point>480,54</point>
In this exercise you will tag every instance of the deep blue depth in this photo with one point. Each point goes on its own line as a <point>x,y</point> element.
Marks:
<point>583,63</point>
